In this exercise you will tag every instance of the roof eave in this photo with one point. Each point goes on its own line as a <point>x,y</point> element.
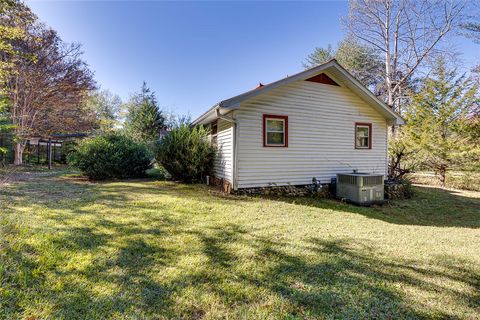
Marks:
<point>212,115</point>
<point>205,115</point>
<point>234,102</point>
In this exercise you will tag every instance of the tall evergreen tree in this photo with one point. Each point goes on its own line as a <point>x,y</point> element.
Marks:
<point>144,120</point>
<point>435,131</point>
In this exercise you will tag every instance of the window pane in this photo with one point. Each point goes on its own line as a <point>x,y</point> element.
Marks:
<point>365,142</point>
<point>362,131</point>
<point>275,138</point>
<point>362,142</point>
<point>274,125</point>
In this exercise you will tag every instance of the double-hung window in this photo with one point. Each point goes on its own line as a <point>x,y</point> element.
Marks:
<point>363,135</point>
<point>275,131</point>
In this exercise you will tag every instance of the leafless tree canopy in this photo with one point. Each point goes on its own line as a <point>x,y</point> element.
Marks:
<point>405,32</point>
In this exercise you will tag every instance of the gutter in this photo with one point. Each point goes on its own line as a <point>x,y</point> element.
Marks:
<point>205,114</point>
<point>220,116</point>
<point>234,142</point>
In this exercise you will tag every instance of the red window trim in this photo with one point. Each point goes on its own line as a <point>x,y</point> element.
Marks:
<point>364,124</point>
<point>274,116</point>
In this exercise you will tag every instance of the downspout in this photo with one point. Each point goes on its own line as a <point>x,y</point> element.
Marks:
<point>234,147</point>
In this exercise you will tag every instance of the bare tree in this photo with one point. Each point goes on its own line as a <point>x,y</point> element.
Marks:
<point>407,33</point>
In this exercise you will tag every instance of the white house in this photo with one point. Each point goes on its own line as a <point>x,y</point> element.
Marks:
<point>316,123</point>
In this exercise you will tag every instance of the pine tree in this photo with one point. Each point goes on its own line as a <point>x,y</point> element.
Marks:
<point>434,133</point>
<point>144,120</point>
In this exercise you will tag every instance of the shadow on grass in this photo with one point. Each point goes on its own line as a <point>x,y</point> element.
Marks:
<point>60,191</point>
<point>215,243</point>
<point>430,207</point>
<point>335,279</point>
<point>80,238</point>
<point>319,278</point>
<point>120,258</point>
<point>344,284</point>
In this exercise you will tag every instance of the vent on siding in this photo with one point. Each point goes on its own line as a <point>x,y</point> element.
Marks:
<point>322,78</point>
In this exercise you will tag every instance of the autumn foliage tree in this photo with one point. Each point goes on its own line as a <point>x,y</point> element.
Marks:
<point>48,84</point>
<point>11,13</point>
<point>9,32</point>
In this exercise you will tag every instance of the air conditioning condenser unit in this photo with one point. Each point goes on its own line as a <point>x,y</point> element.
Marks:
<point>360,188</point>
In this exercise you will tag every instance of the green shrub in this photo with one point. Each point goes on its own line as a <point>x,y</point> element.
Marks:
<point>396,189</point>
<point>68,148</point>
<point>407,189</point>
<point>158,173</point>
<point>111,156</point>
<point>186,153</point>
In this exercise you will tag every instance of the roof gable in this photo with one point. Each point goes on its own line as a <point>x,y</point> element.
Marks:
<point>332,67</point>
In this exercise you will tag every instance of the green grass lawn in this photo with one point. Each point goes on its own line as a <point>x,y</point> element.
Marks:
<point>71,249</point>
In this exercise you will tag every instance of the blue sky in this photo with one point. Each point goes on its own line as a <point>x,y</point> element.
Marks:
<point>194,54</point>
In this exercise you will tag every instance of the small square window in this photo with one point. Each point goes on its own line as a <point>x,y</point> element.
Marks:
<point>275,131</point>
<point>363,135</point>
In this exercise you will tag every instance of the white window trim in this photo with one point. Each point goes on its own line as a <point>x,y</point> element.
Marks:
<point>368,136</point>
<point>274,131</point>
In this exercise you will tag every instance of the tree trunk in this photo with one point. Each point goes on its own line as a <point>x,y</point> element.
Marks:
<point>394,163</point>
<point>442,172</point>
<point>19,148</point>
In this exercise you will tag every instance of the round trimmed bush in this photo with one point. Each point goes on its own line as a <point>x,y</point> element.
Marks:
<point>186,153</point>
<point>111,156</point>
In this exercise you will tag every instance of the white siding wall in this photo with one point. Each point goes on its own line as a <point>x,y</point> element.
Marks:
<point>321,121</point>
<point>224,160</point>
